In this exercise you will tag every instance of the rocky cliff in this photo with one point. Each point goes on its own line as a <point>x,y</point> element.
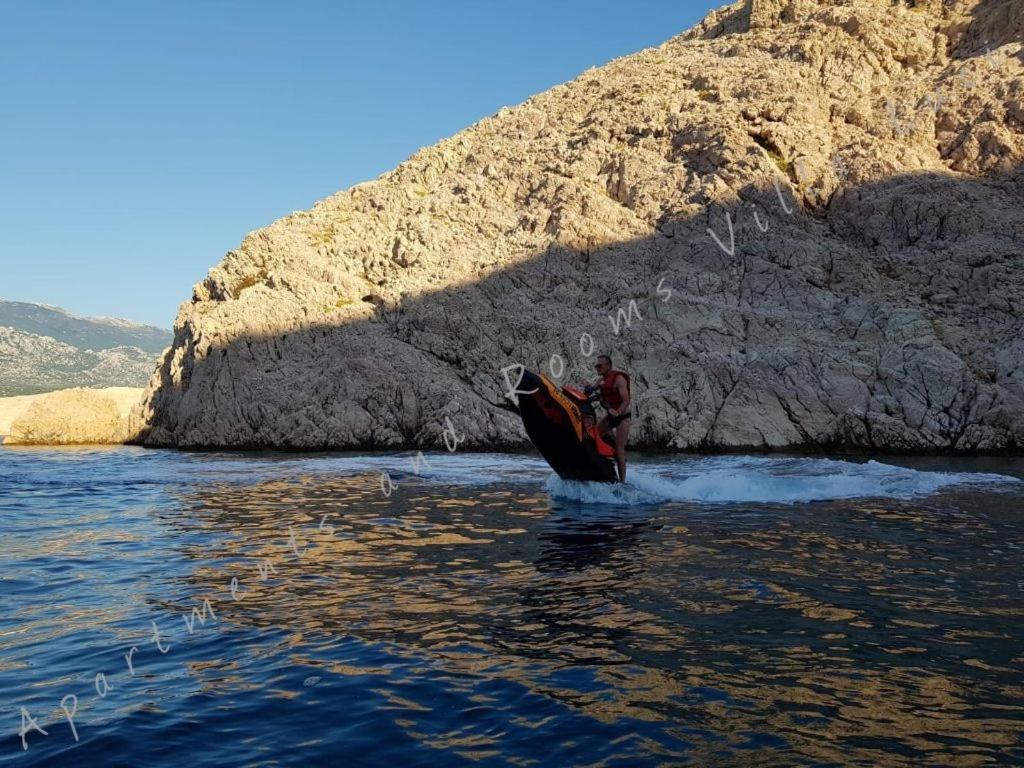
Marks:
<point>800,223</point>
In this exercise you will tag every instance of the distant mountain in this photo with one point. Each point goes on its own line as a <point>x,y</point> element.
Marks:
<point>83,332</point>
<point>43,348</point>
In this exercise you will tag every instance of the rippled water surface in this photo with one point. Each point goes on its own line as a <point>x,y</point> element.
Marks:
<point>716,611</point>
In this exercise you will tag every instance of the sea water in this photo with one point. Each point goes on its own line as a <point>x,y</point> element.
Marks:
<point>163,608</point>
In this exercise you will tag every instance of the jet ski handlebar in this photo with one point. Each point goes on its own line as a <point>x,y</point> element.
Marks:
<point>588,394</point>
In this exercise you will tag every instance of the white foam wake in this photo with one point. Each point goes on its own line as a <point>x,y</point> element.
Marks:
<point>766,480</point>
<point>710,479</point>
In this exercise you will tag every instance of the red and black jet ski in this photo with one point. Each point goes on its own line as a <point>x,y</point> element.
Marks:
<point>562,424</point>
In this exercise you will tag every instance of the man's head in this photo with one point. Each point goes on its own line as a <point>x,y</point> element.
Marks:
<point>603,364</point>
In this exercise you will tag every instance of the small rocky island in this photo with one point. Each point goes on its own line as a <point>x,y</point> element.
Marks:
<point>798,225</point>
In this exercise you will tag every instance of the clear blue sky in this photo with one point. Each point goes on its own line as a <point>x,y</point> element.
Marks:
<point>140,141</point>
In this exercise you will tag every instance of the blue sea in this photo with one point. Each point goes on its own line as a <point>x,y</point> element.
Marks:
<point>164,608</point>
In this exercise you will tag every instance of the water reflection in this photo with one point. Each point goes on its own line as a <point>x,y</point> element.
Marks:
<point>841,633</point>
<point>573,540</point>
<point>446,624</point>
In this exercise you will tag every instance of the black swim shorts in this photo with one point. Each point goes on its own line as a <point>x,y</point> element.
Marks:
<point>614,421</point>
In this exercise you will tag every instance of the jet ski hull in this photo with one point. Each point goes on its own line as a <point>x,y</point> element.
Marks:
<point>554,421</point>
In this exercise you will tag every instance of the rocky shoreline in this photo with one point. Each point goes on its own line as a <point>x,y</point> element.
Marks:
<point>76,416</point>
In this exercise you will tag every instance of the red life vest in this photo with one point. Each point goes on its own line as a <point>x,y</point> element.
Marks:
<point>608,391</point>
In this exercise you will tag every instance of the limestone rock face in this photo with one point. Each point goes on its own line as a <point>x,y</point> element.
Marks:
<point>800,223</point>
<point>68,417</point>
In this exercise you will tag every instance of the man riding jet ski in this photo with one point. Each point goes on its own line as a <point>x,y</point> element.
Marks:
<point>614,389</point>
<point>561,422</point>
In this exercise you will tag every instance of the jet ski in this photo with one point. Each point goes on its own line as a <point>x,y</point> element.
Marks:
<point>561,422</point>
